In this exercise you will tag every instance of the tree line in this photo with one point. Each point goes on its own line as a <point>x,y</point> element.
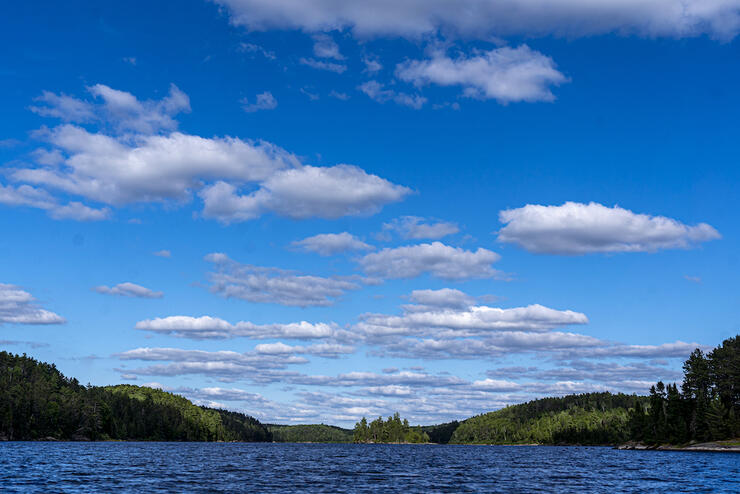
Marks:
<point>590,418</point>
<point>39,402</point>
<point>393,430</point>
<point>705,408</point>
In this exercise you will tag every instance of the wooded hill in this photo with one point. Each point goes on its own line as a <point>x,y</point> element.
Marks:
<point>313,433</point>
<point>592,418</point>
<point>38,402</point>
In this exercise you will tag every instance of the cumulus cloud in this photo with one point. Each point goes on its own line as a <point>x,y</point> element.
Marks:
<point>444,297</point>
<point>25,195</point>
<point>504,74</point>
<point>329,244</point>
<point>151,167</point>
<point>414,227</point>
<point>436,258</point>
<point>273,285</point>
<point>483,18</point>
<point>473,320</point>
<point>300,193</point>
<point>207,327</point>
<point>577,228</point>
<point>219,363</point>
<point>120,109</point>
<point>377,92</point>
<point>136,155</point>
<point>263,101</point>
<point>17,306</point>
<point>128,289</point>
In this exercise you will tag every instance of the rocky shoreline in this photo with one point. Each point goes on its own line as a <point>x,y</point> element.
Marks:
<point>708,447</point>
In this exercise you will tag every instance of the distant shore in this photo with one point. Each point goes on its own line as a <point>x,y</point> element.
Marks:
<point>731,446</point>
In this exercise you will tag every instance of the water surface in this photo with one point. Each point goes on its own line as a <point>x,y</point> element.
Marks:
<point>254,467</point>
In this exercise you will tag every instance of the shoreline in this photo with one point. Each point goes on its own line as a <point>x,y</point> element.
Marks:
<point>731,446</point>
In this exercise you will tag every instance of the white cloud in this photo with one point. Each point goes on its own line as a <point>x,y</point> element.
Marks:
<point>77,211</point>
<point>414,227</point>
<point>128,289</point>
<point>253,48</point>
<point>136,156</point>
<point>445,297</point>
<point>163,253</point>
<point>436,258</point>
<point>272,285</point>
<point>473,320</point>
<point>325,47</point>
<point>25,195</point>
<point>321,65</point>
<point>327,350</point>
<point>300,193</point>
<point>372,65</point>
<point>17,307</point>
<point>152,167</point>
<point>377,92</point>
<point>340,96</point>
<point>576,228</point>
<point>483,18</point>
<point>119,108</point>
<point>207,327</point>
<point>504,74</point>
<point>329,244</point>
<point>264,101</point>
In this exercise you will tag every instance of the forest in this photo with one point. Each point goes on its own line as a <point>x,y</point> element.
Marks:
<point>393,430</point>
<point>313,433</point>
<point>705,408</point>
<point>38,402</point>
<point>592,418</point>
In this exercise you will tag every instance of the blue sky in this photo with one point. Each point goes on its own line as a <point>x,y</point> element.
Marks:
<point>313,211</point>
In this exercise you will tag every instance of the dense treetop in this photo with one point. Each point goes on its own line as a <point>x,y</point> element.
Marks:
<point>38,402</point>
<point>393,430</point>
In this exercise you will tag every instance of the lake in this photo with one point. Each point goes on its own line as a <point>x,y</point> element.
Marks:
<point>281,467</point>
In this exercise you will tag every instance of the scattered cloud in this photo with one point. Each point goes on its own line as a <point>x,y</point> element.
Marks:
<point>377,92</point>
<point>329,244</point>
<point>414,227</point>
<point>163,253</point>
<point>577,228</point>
<point>321,65</point>
<point>128,290</point>
<point>324,46</point>
<point>436,258</point>
<point>25,195</point>
<point>305,192</point>
<point>137,156</point>
<point>207,327</point>
<point>129,60</point>
<point>273,285</point>
<point>372,65</point>
<point>338,95</point>
<point>483,19</point>
<point>17,306</point>
<point>505,74</point>
<point>253,48</point>
<point>264,101</point>
<point>693,279</point>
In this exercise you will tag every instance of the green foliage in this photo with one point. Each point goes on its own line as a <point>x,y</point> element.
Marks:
<point>393,430</point>
<point>593,418</point>
<point>441,433</point>
<point>707,408</point>
<point>315,433</point>
<point>37,401</point>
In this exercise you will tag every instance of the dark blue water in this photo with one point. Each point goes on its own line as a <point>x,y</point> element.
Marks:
<point>239,467</point>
